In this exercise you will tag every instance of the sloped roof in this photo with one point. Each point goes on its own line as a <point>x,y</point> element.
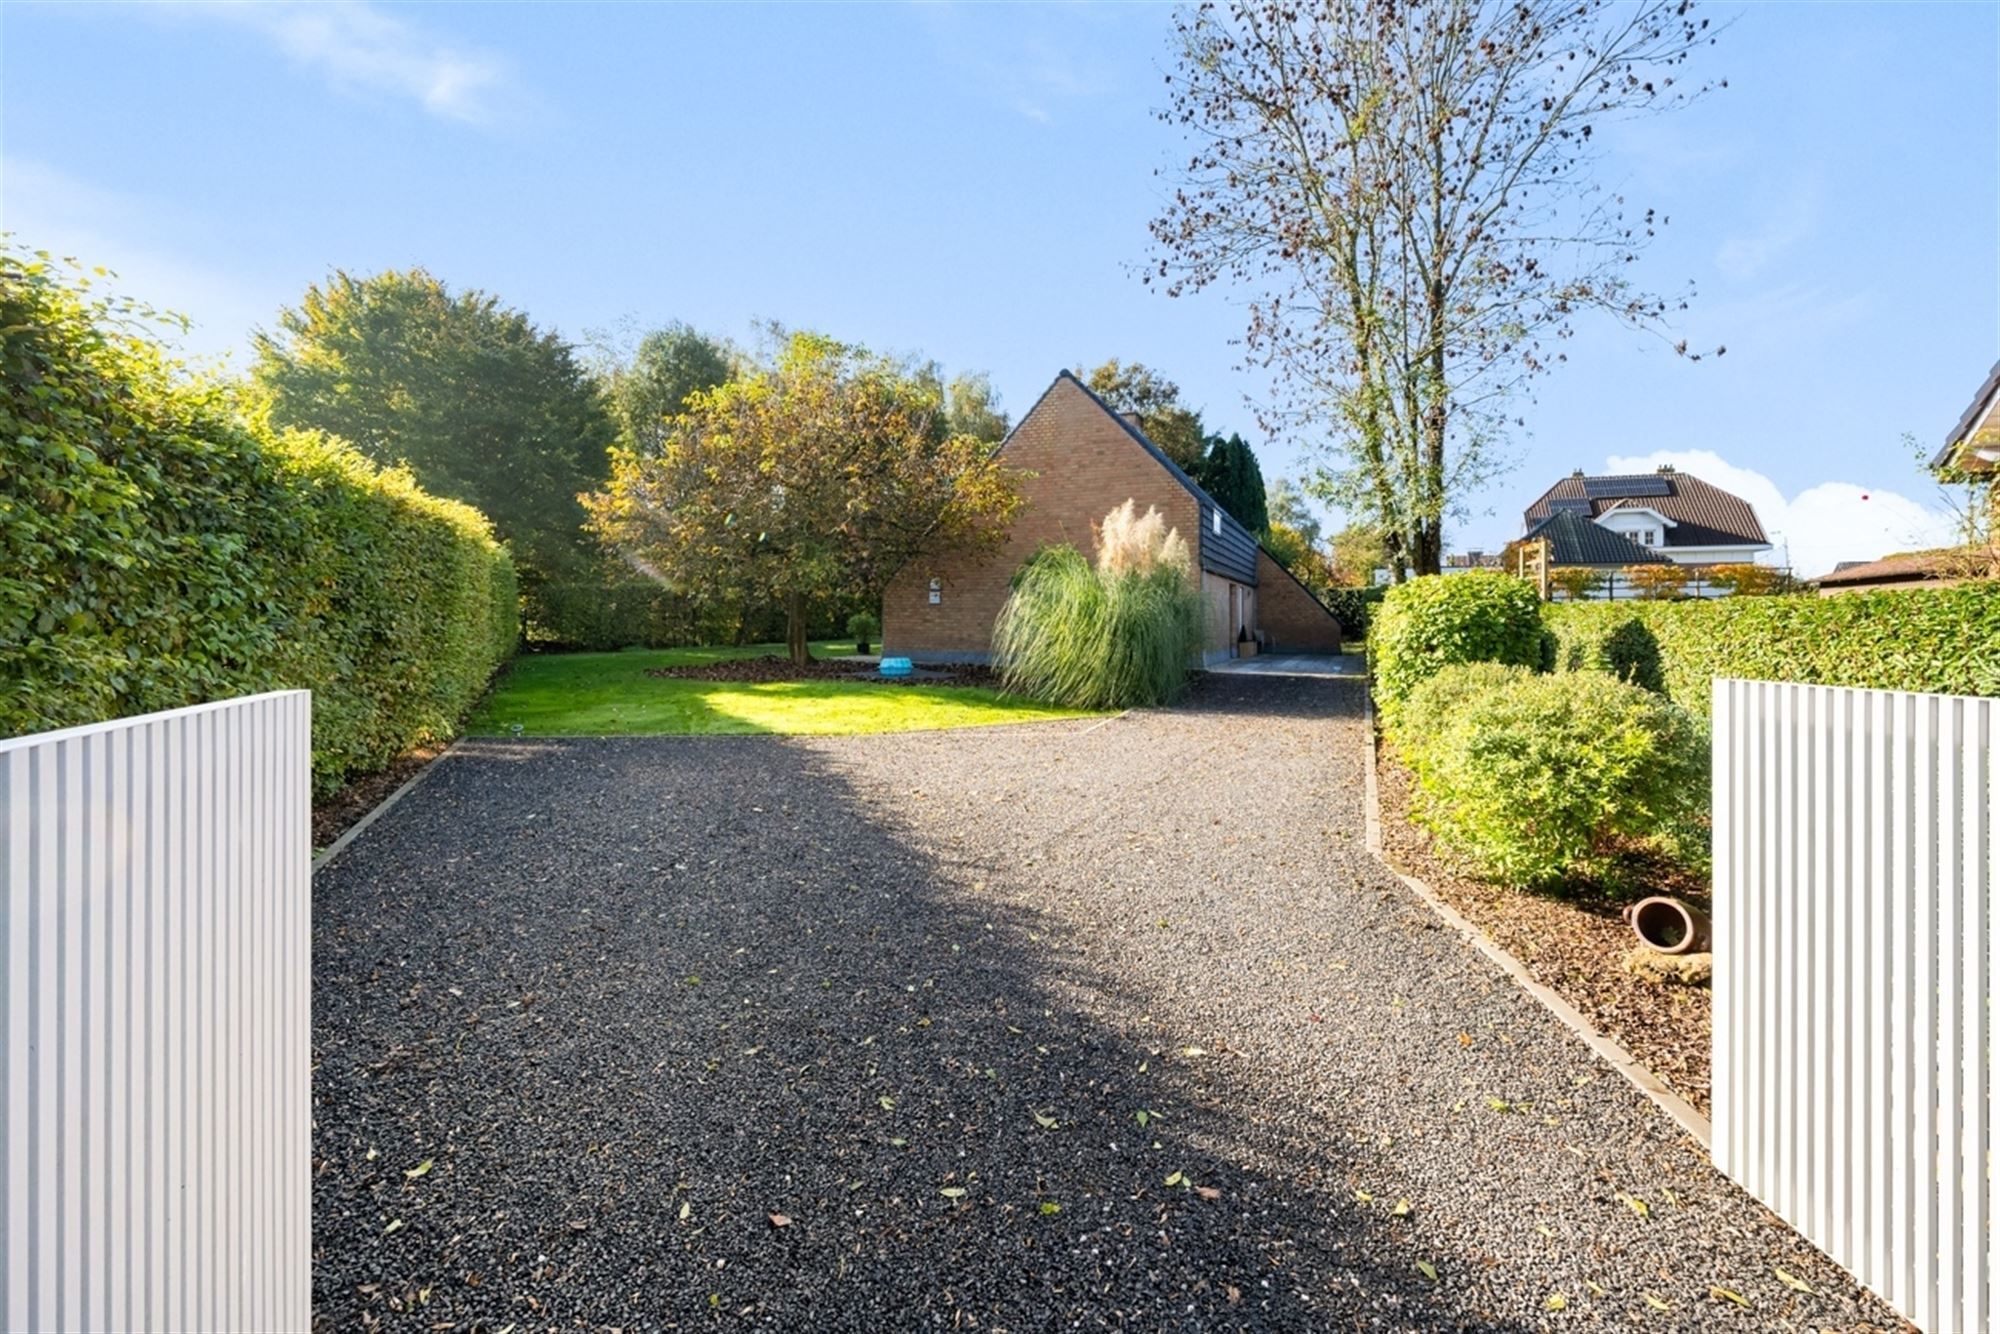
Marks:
<point>1983,403</point>
<point>1575,540</point>
<point>1889,570</point>
<point>1703,515</point>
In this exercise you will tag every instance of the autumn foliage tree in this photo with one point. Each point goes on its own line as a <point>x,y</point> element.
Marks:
<point>816,477</point>
<point>1406,191</point>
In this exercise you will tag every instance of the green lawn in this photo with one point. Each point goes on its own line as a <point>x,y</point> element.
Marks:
<point>609,694</point>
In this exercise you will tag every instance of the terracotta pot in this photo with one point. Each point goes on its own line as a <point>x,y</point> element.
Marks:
<point>1668,925</point>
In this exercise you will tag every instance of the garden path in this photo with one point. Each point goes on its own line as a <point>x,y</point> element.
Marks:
<point>1106,1023</point>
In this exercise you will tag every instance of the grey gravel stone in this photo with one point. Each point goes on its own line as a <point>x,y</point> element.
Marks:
<point>633,998</point>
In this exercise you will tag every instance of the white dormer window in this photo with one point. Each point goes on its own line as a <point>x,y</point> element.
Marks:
<point>1650,536</point>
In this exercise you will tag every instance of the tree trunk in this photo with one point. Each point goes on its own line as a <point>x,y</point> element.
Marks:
<point>795,629</point>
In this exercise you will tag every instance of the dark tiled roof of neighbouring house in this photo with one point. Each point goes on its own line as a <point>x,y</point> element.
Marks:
<point>1575,540</point>
<point>1232,552</point>
<point>1982,403</point>
<point>1703,515</point>
<point>1889,570</point>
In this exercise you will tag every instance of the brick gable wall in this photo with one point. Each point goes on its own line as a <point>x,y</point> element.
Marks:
<point>1292,619</point>
<point>1084,465</point>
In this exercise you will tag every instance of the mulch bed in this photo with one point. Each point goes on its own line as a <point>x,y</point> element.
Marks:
<point>336,814</point>
<point>774,668</point>
<point>1571,945</point>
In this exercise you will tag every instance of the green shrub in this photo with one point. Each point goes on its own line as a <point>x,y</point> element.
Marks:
<point>598,615</point>
<point>1075,636</point>
<point>1353,608</point>
<point>1436,701</point>
<point>1434,622</point>
<point>1540,780</point>
<point>162,545</point>
<point>863,629</point>
<point>1945,640</point>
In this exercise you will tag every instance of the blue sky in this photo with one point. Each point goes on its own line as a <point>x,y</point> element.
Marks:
<point>974,183</point>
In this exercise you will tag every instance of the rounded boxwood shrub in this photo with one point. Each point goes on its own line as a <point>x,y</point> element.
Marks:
<point>1436,702</point>
<point>1434,622</point>
<point>1540,780</point>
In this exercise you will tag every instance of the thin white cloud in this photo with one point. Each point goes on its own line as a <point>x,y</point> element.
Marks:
<point>357,46</point>
<point>1820,526</point>
<point>1028,60</point>
<point>1783,226</point>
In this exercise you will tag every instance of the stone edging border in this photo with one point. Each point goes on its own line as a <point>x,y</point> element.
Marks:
<point>353,831</point>
<point>1606,1048</point>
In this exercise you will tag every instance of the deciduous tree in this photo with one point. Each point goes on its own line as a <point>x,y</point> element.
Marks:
<point>483,406</point>
<point>1408,190</point>
<point>816,477</point>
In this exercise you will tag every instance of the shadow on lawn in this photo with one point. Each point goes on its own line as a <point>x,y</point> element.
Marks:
<point>610,1033</point>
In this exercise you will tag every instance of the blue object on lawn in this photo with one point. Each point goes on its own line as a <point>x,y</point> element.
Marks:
<point>895,667</point>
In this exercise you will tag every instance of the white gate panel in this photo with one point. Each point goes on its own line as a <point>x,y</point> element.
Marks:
<point>1855,862</point>
<point>155,1039</point>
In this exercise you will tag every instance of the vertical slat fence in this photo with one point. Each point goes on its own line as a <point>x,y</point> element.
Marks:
<point>1855,861</point>
<point>155,1046</point>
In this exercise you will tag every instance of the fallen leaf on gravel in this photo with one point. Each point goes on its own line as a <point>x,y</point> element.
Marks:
<point>1724,1294</point>
<point>1233,1293</point>
<point>1194,1051</point>
<point>1638,1205</point>
<point>953,1192</point>
<point>1208,1192</point>
<point>1596,1290</point>
<point>886,1104</point>
<point>1402,1209</point>
<point>1499,1104</point>
<point>780,1220</point>
<point>1556,1302</point>
<point>1792,1281</point>
<point>686,1209</point>
<point>1656,1303</point>
<point>1046,1122</point>
<point>1050,1207</point>
<point>1546,1230</point>
<point>579,1225</point>
<point>1428,1270</point>
<point>1175,1178</point>
<point>1364,1197</point>
<point>373,1155</point>
<point>421,1168</point>
<point>1465,1039</point>
<point>899,1143</point>
<point>395,1225</point>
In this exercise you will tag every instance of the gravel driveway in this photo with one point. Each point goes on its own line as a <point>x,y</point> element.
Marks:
<point>1068,1025</point>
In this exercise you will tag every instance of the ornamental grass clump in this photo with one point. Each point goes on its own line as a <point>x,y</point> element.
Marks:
<point>1548,780</point>
<point>1120,635</point>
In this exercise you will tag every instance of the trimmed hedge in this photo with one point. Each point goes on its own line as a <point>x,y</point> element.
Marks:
<point>601,615</point>
<point>1434,622</point>
<point>1944,640</point>
<point>1546,780</point>
<point>1354,608</point>
<point>162,545</point>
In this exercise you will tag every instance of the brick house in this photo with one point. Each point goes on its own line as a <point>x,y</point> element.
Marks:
<point>1083,461</point>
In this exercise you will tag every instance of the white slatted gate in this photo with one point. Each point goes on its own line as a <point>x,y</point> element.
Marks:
<point>1855,861</point>
<point>155,1039</point>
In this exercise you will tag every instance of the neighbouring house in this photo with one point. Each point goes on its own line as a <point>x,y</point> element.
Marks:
<point>1465,562</point>
<point>1971,448</point>
<point>1081,461</point>
<point>1675,514</point>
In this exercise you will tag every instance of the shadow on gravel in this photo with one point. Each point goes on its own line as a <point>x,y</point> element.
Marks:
<point>648,1034</point>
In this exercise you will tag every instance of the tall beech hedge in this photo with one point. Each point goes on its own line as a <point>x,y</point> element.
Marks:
<point>1442,620</point>
<point>1944,640</point>
<point>161,544</point>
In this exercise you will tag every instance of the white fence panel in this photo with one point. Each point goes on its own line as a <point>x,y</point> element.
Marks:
<point>1855,862</point>
<point>155,1039</point>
